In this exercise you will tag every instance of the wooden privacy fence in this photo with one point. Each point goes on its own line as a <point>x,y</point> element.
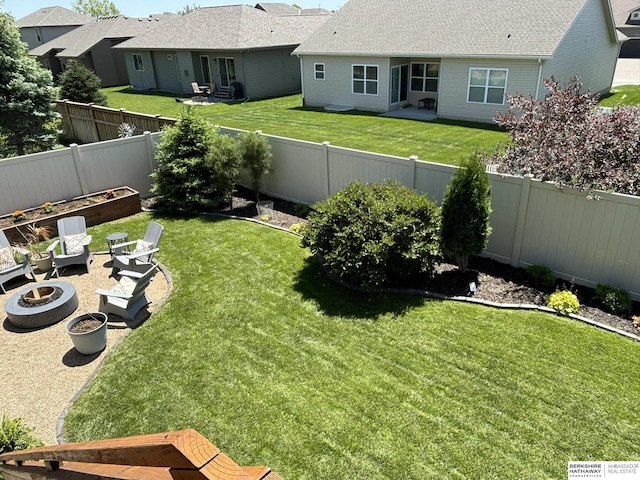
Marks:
<point>88,123</point>
<point>183,455</point>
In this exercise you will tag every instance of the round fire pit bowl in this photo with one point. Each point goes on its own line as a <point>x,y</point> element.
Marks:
<point>57,300</point>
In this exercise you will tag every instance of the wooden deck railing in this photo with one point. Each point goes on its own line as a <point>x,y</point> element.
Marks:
<point>181,455</point>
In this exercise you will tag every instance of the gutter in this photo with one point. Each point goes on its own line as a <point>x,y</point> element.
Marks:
<point>539,78</point>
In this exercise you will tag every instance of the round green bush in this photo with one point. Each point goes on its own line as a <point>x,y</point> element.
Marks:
<point>615,300</point>
<point>541,277</point>
<point>564,301</point>
<point>375,235</point>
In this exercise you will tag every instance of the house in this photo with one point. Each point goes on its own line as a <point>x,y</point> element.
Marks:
<point>224,45</point>
<point>48,23</point>
<point>462,57</point>
<point>91,45</point>
<point>287,9</point>
<point>627,17</point>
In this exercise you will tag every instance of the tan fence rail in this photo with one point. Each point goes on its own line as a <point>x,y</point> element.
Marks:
<point>184,454</point>
<point>87,123</point>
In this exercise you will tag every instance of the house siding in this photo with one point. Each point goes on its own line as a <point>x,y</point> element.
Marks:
<point>335,89</point>
<point>29,34</point>
<point>269,73</point>
<point>106,65</point>
<point>166,71</point>
<point>145,78</point>
<point>454,79</point>
<point>587,50</point>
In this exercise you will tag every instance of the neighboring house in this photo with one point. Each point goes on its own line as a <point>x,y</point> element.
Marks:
<point>287,9</point>
<point>627,17</point>
<point>225,45</point>
<point>91,45</point>
<point>48,23</point>
<point>381,55</point>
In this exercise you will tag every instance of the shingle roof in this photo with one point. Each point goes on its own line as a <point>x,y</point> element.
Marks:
<point>622,9</point>
<point>232,27</point>
<point>80,40</point>
<point>52,17</point>
<point>278,8</point>
<point>531,28</point>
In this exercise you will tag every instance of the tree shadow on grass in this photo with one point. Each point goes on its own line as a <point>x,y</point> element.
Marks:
<point>337,300</point>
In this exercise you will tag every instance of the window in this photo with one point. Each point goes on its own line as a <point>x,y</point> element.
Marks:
<point>318,71</point>
<point>424,77</point>
<point>206,69</point>
<point>487,85</point>
<point>137,62</point>
<point>365,79</point>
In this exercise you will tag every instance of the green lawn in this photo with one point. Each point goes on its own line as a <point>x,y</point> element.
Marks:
<point>438,141</point>
<point>622,95</point>
<point>278,366</point>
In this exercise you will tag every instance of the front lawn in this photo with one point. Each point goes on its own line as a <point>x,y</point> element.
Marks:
<point>278,366</point>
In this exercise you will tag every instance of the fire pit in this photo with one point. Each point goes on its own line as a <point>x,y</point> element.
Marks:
<point>41,304</point>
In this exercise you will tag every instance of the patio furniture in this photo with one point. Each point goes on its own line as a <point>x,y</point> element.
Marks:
<point>74,244</point>
<point>116,239</point>
<point>9,266</point>
<point>128,297</point>
<point>200,93</point>
<point>427,103</point>
<point>140,259</point>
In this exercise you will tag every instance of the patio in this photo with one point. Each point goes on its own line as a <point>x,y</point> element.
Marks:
<point>42,370</point>
<point>412,113</point>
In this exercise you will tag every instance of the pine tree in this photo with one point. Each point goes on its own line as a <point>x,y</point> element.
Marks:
<point>465,212</point>
<point>26,95</point>
<point>79,84</point>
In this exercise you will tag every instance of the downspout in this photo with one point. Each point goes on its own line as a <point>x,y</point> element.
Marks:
<point>539,78</point>
<point>301,78</point>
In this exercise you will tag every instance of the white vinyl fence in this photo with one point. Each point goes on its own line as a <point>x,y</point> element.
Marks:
<point>587,241</point>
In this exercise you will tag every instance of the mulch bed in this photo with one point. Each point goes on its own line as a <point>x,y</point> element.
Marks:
<point>495,281</point>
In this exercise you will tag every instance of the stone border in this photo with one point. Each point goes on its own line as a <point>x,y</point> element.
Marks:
<point>60,422</point>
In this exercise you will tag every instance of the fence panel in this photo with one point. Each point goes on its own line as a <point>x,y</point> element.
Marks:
<point>347,165</point>
<point>117,162</point>
<point>31,180</point>
<point>505,203</point>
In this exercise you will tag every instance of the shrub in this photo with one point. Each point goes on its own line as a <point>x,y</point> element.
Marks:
<point>465,212</point>
<point>541,277</point>
<point>375,235</point>
<point>80,84</point>
<point>615,300</point>
<point>564,301</point>
<point>15,435</point>
<point>256,157</point>
<point>197,167</point>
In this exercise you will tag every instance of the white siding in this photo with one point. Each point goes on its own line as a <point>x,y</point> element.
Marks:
<point>335,89</point>
<point>587,50</point>
<point>454,81</point>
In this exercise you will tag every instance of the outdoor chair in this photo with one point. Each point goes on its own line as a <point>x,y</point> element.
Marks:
<point>200,90</point>
<point>128,297</point>
<point>73,242</point>
<point>140,259</point>
<point>9,266</point>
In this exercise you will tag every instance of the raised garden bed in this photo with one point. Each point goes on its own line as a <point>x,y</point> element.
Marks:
<point>96,208</point>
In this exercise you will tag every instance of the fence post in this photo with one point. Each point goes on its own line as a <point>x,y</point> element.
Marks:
<point>412,174</point>
<point>326,164</point>
<point>75,152</point>
<point>150,152</point>
<point>521,220</point>
<point>94,126</point>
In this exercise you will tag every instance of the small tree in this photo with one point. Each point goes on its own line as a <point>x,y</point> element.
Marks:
<point>80,84</point>
<point>566,140</point>
<point>100,8</point>
<point>465,212</point>
<point>256,157</point>
<point>195,165</point>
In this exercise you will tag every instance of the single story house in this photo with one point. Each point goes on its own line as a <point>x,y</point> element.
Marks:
<point>91,45</point>
<point>48,23</point>
<point>627,17</point>
<point>462,57</point>
<point>221,46</point>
